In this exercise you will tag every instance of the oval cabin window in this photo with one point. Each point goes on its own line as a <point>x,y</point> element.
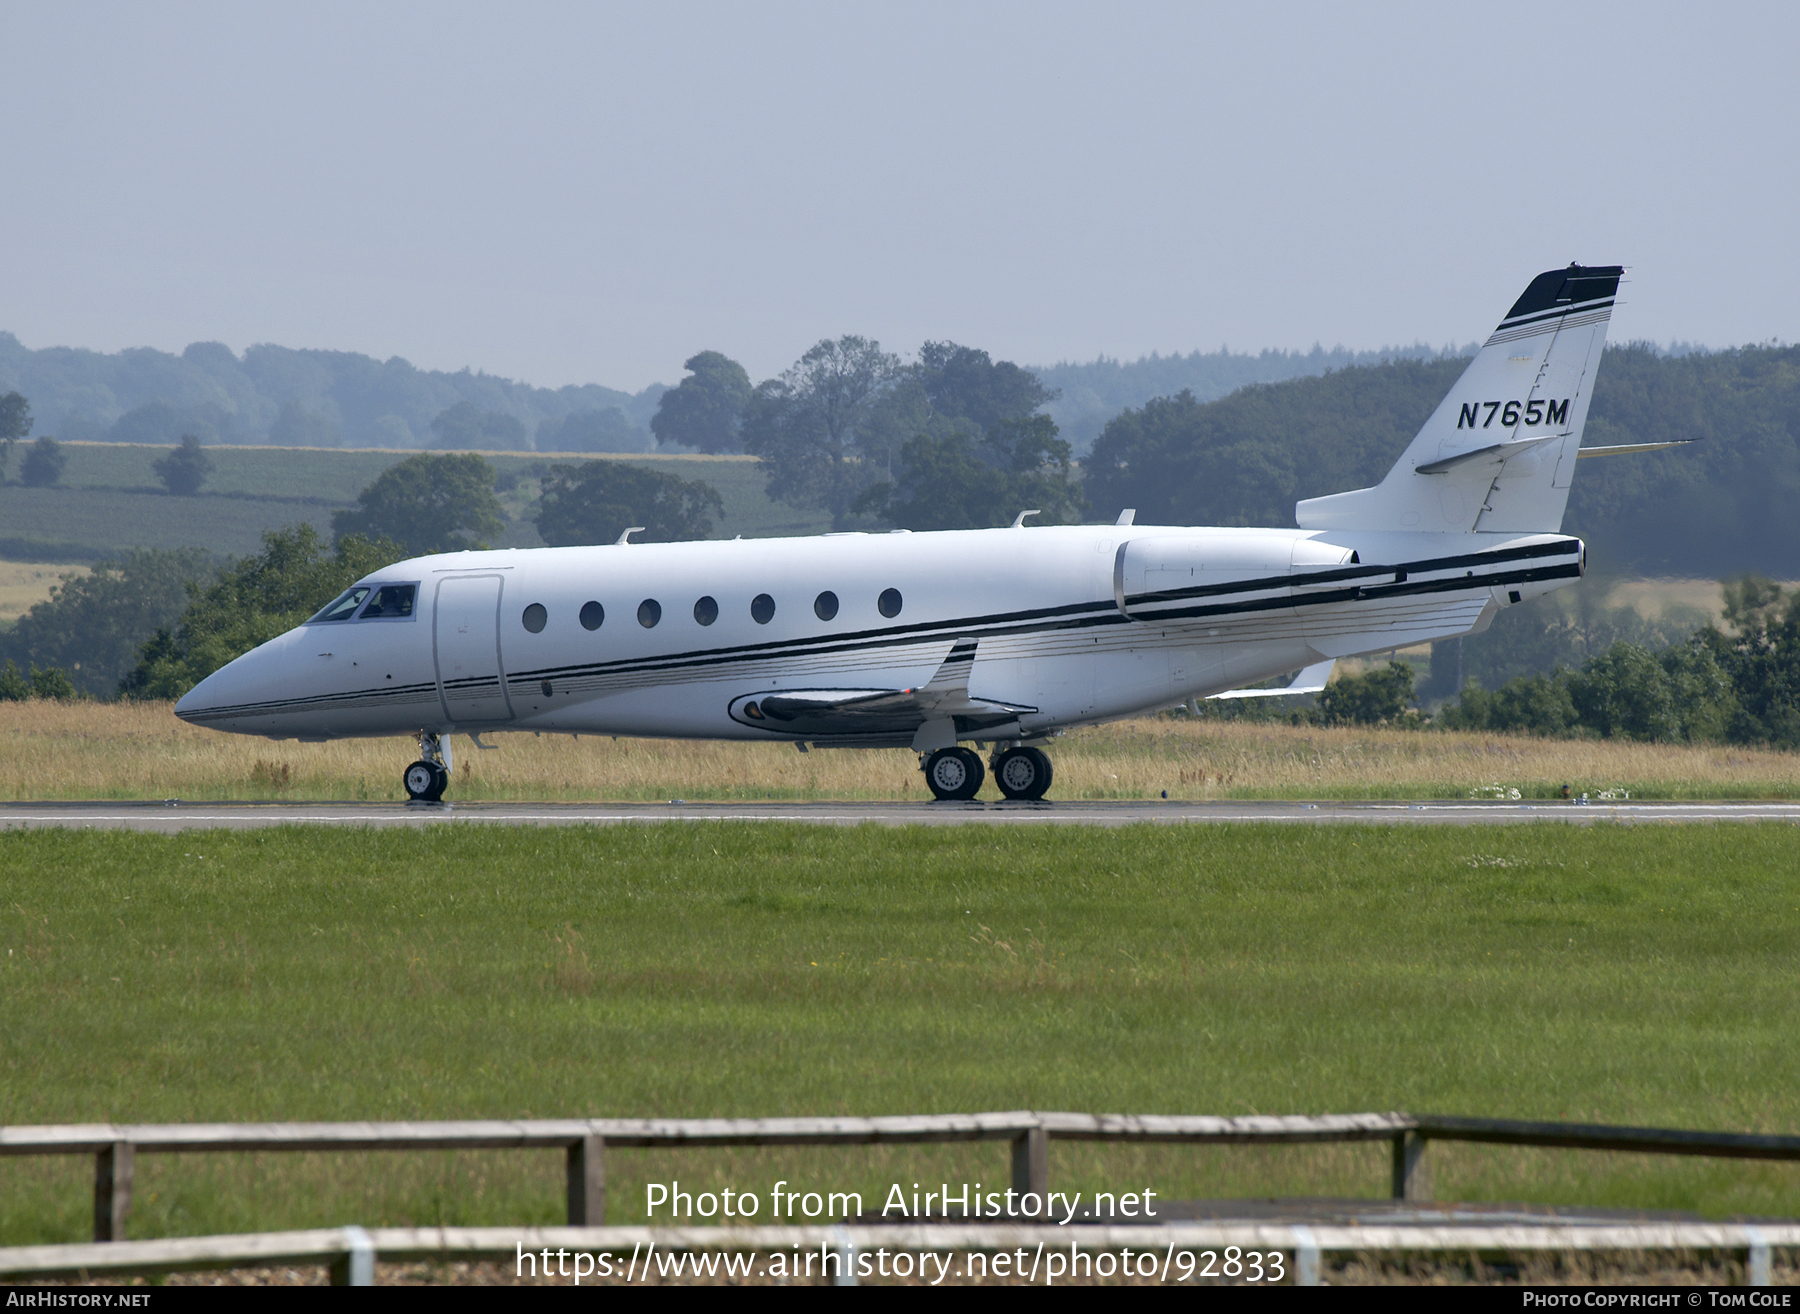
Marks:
<point>825,606</point>
<point>535,618</point>
<point>649,612</point>
<point>889,602</point>
<point>762,609</point>
<point>706,611</point>
<point>592,614</point>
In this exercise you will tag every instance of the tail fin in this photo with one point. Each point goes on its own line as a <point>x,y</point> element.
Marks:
<point>1498,454</point>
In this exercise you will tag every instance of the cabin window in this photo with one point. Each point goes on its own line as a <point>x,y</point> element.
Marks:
<point>889,602</point>
<point>391,602</point>
<point>592,613</point>
<point>825,605</point>
<point>762,609</point>
<point>535,618</point>
<point>706,611</point>
<point>344,606</point>
<point>649,612</point>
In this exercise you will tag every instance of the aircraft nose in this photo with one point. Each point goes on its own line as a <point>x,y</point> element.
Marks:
<point>196,700</point>
<point>237,691</point>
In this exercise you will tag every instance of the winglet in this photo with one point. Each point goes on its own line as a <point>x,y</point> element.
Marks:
<point>951,683</point>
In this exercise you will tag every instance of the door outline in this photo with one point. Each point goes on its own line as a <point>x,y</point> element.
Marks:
<point>499,659</point>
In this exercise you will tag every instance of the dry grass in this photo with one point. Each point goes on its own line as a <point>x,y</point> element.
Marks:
<point>24,584</point>
<point>1654,597</point>
<point>99,751</point>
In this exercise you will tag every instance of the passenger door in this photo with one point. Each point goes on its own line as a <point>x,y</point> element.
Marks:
<point>466,643</point>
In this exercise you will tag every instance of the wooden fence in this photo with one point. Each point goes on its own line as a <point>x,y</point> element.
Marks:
<point>350,1253</point>
<point>115,1147</point>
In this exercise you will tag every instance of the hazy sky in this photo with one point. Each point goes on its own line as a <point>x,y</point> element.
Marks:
<point>569,193</point>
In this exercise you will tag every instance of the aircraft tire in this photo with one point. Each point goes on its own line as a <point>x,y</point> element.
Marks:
<point>1023,774</point>
<point>425,782</point>
<point>954,774</point>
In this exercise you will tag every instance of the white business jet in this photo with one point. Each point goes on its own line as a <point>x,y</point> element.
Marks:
<point>930,641</point>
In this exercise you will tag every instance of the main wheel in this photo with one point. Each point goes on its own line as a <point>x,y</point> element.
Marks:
<point>425,782</point>
<point>954,774</point>
<point>1023,773</point>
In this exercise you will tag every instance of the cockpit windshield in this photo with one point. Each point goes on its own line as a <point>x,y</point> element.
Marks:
<point>345,606</point>
<point>390,602</point>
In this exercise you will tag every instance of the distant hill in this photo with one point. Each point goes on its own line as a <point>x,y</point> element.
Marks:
<point>1095,391</point>
<point>284,396</point>
<point>110,501</point>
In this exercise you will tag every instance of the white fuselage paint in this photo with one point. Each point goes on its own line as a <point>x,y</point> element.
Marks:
<point>1078,624</point>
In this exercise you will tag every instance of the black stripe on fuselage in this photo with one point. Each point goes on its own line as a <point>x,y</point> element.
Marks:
<point>1560,548</point>
<point>1364,593</point>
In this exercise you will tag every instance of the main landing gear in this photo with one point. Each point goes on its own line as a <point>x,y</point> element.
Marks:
<point>428,778</point>
<point>955,774</point>
<point>1023,773</point>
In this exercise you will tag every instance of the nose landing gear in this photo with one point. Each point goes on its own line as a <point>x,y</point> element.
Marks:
<point>428,778</point>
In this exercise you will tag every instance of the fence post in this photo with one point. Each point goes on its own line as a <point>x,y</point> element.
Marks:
<point>113,1171</point>
<point>356,1266</point>
<point>1412,1178</point>
<point>845,1250</point>
<point>1031,1164</point>
<point>1306,1257</point>
<point>1756,1261</point>
<point>587,1182</point>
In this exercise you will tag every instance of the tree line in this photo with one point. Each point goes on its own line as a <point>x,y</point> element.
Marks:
<point>307,398</point>
<point>1720,507</point>
<point>1734,683</point>
<point>155,623</point>
<point>954,439</point>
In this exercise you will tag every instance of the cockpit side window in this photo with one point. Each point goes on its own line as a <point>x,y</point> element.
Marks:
<point>391,602</point>
<point>344,607</point>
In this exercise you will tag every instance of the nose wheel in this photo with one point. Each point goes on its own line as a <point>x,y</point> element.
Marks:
<point>425,782</point>
<point>428,778</point>
<point>954,774</point>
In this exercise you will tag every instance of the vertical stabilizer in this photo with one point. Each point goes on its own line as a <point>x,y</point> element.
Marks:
<point>1498,454</point>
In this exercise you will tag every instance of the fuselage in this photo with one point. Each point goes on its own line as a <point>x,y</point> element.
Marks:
<point>1070,625</point>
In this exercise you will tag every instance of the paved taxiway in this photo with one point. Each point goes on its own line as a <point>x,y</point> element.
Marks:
<point>175,815</point>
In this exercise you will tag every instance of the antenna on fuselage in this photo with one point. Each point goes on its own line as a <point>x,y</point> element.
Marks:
<point>625,538</point>
<point>1126,516</point>
<point>1019,520</point>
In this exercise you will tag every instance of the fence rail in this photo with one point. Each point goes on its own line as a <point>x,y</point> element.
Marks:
<point>350,1253</point>
<point>115,1147</point>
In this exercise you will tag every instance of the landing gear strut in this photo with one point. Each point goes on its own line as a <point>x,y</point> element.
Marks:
<point>428,778</point>
<point>954,774</point>
<point>1023,773</point>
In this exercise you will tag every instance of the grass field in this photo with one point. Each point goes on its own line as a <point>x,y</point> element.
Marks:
<point>139,750</point>
<point>110,499</point>
<point>1646,976</point>
<point>24,584</point>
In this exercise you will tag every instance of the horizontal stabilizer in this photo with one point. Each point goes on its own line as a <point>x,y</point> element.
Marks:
<point>1496,454</point>
<point>1625,449</point>
<point>1311,680</point>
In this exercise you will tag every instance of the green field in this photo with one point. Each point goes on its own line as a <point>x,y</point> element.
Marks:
<point>1645,976</point>
<point>110,499</point>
